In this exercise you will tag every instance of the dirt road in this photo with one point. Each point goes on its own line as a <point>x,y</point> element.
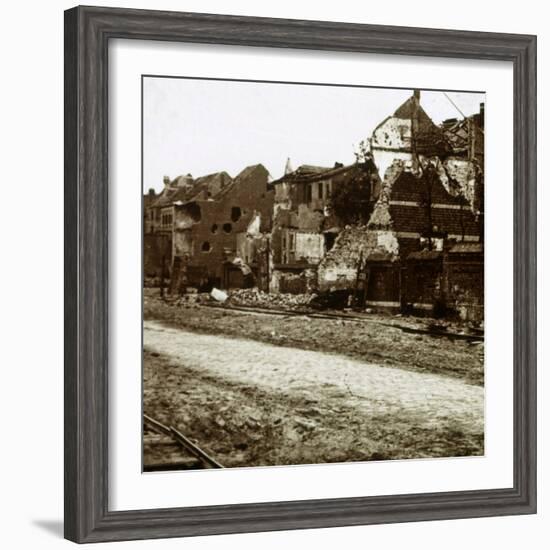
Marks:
<point>252,402</point>
<point>371,341</point>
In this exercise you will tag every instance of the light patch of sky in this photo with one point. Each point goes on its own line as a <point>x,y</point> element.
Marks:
<point>205,126</point>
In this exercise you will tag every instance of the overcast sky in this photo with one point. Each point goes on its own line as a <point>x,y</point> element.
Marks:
<point>205,126</point>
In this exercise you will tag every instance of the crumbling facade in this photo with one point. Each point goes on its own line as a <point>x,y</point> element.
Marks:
<point>456,146</point>
<point>408,135</point>
<point>401,229</point>
<point>430,203</point>
<point>304,223</point>
<point>160,215</point>
<point>208,231</point>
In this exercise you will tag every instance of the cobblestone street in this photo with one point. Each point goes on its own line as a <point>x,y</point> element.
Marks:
<point>253,403</point>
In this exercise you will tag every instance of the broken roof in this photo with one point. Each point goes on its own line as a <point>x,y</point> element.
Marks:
<point>242,175</point>
<point>310,174</point>
<point>430,138</point>
<point>211,184</point>
<point>457,134</point>
<point>250,169</point>
<point>209,178</point>
<point>184,189</point>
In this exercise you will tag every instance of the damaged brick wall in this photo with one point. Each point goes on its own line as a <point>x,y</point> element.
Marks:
<point>383,285</point>
<point>422,290</point>
<point>208,230</point>
<point>464,281</point>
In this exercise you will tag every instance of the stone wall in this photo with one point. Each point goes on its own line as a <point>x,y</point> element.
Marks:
<point>294,281</point>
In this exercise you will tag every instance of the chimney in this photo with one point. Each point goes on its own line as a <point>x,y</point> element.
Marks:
<point>151,192</point>
<point>416,95</point>
<point>288,167</point>
<point>166,180</point>
<point>184,181</point>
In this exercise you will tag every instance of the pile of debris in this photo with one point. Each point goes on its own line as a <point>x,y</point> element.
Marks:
<point>253,297</point>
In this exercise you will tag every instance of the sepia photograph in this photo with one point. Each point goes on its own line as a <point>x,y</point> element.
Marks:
<point>313,273</point>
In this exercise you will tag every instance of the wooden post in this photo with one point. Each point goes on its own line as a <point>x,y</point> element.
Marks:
<point>366,285</point>
<point>162,275</point>
<point>358,279</point>
<point>267,271</point>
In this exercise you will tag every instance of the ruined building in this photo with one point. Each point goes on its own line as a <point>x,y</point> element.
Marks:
<point>206,218</point>
<point>421,249</point>
<point>410,135</point>
<point>304,223</point>
<point>159,216</point>
<point>418,245</point>
<point>401,228</point>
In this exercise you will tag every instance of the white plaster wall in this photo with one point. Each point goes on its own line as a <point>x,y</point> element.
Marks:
<point>384,159</point>
<point>394,133</point>
<point>310,246</point>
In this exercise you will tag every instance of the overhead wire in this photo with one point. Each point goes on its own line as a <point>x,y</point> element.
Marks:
<point>462,114</point>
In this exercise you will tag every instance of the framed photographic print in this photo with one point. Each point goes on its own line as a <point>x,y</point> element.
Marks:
<point>300,274</point>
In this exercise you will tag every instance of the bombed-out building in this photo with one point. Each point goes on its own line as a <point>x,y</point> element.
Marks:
<point>401,254</point>
<point>208,229</point>
<point>305,224</point>
<point>401,229</point>
<point>421,249</point>
<point>159,213</point>
<point>418,246</point>
<point>456,146</point>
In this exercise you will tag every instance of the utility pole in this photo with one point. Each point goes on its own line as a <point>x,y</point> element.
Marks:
<point>414,130</point>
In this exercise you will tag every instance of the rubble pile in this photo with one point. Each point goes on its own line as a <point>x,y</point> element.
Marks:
<point>348,248</point>
<point>253,297</point>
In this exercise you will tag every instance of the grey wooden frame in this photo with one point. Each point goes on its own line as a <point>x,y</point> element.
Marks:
<point>87,34</point>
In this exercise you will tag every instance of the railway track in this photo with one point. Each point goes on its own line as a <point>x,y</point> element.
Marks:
<point>166,448</point>
<point>354,318</point>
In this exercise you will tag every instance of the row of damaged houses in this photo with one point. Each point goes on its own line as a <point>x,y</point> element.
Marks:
<point>418,245</point>
<point>195,224</point>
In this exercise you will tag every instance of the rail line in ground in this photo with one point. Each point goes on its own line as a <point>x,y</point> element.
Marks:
<point>176,451</point>
<point>349,317</point>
